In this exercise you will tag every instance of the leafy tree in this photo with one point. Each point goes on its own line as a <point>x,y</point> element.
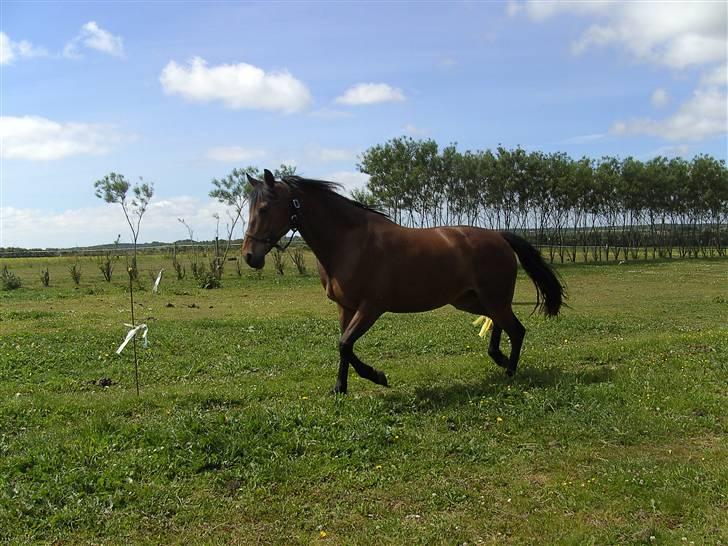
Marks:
<point>114,188</point>
<point>365,197</point>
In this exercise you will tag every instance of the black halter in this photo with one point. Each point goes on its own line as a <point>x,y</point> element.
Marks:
<point>295,208</point>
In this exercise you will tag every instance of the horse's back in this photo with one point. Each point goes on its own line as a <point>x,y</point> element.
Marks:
<point>419,269</point>
<point>457,245</point>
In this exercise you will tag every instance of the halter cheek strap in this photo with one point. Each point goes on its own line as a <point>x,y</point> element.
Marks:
<point>295,208</point>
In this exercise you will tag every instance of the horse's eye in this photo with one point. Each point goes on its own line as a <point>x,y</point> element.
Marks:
<point>263,209</point>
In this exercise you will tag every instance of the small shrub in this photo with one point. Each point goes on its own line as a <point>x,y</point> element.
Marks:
<point>198,269</point>
<point>179,269</point>
<point>217,266</point>
<point>209,281</point>
<point>10,281</point>
<point>75,271</point>
<point>106,266</point>
<point>299,260</point>
<point>45,277</point>
<point>278,262</point>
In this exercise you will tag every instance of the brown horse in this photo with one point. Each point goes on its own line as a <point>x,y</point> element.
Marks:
<point>369,265</point>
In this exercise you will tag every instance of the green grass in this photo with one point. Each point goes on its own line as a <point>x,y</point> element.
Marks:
<point>613,431</point>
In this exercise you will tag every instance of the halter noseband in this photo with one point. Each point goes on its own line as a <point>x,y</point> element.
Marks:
<point>295,208</point>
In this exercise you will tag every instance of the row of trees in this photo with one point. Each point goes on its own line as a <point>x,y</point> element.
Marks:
<point>608,208</point>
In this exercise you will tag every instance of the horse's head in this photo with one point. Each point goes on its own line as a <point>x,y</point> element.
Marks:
<point>269,220</point>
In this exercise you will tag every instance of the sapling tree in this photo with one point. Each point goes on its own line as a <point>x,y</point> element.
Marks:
<point>114,188</point>
<point>75,271</point>
<point>45,277</point>
<point>278,263</point>
<point>196,266</point>
<point>106,265</point>
<point>9,280</point>
<point>299,260</point>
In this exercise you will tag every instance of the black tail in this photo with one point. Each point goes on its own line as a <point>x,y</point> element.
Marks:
<point>550,291</point>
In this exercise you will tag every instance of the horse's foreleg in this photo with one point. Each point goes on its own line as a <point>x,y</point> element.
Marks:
<point>359,323</point>
<point>345,316</point>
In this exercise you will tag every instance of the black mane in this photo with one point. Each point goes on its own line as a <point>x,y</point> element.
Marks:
<point>300,183</point>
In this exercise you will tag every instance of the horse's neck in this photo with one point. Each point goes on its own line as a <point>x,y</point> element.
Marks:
<point>331,227</point>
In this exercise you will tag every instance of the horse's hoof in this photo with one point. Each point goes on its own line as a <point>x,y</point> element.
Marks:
<point>382,379</point>
<point>510,372</point>
<point>338,389</point>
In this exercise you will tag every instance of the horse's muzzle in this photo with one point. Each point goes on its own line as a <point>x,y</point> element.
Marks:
<point>256,262</point>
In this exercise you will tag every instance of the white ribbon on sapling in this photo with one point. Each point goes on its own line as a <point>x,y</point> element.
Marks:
<point>132,333</point>
<point>156,283</point>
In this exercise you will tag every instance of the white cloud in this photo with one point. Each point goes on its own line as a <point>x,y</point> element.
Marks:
<point>93,36</point>
<point>679,150</point>
<point>414,130</point>
<point>328,155</point>
<point>290,162</point>
<point>44,228</point>
<point>10,51</point>
<point>678,35</point>
<point>539,10</point>
<point>659,98</point>
<point>236,85</point>
<point>675,34</point>
<point>39,139</point>
<point>583,139</point>
<point>718,76</point>
<point>370,93</point>
<point>513,8</point>
<point>704,115</point>
<point>329,113</point>
<point>234,153</point>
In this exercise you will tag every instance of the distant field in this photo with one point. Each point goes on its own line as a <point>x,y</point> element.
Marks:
<point>614,430</point>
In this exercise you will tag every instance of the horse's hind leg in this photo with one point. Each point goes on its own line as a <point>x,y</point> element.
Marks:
<point>471,304</point>
<point>494,350</point>
<point>506,320</point>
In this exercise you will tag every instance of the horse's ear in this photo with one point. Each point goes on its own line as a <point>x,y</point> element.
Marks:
<point>252,181</point>
<point>269,178</point>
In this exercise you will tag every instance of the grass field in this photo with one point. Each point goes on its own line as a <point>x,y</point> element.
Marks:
<point>614,430</point>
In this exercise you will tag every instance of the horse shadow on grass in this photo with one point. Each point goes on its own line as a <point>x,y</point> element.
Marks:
<point>493,384</point>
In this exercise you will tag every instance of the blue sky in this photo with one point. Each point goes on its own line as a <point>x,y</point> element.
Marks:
<point>89,88</point>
